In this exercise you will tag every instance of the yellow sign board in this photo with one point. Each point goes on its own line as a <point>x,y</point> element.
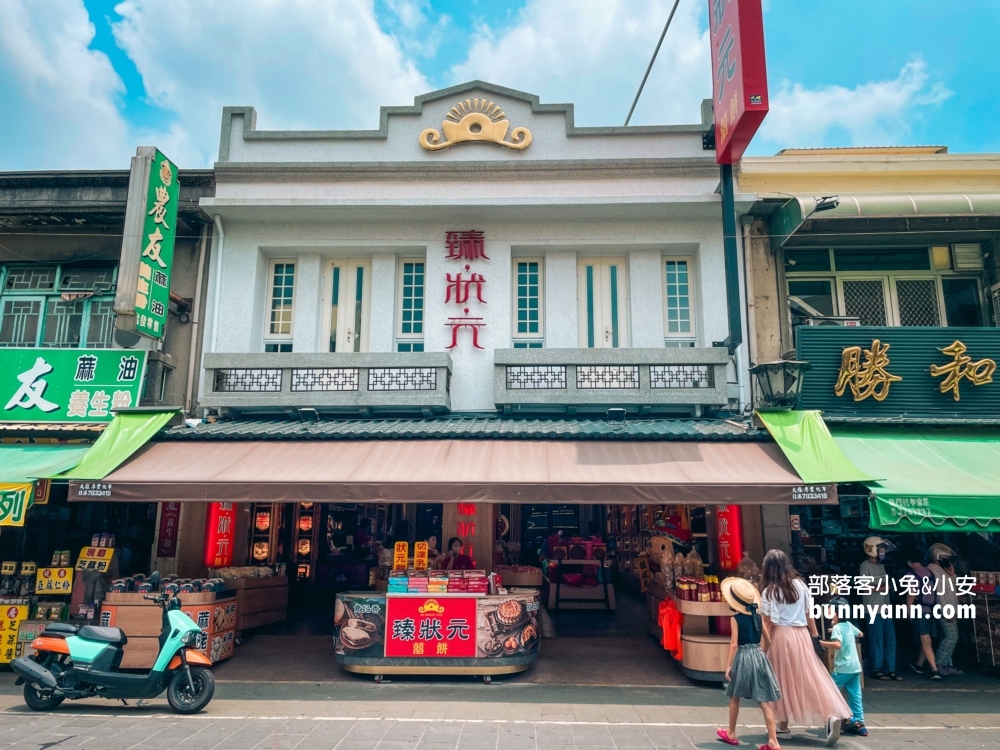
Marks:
<point>420,555</point>
<point>13,615</point>
<point>14,500</point>
<point>95,558</point>
<point>28,568</point>
<point>8,568</point>
<point>399,556</point>
<point>54,581</point>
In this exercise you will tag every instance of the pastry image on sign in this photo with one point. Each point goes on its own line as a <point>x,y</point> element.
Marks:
<point>475,120</point>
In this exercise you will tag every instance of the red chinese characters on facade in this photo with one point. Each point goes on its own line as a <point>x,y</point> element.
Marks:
<point>466,526</point>
<point>166,540</point>
<point>739,74</point>
<point>220,531</point>
<point>729,533</point>
<point>466,245</point>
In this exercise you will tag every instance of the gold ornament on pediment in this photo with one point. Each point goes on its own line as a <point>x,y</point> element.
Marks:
<point>475,121</point>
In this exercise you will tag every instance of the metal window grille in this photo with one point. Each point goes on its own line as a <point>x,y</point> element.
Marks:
<point>63,323</point>
<point>402,379</point>
<point>32,278</point>
<point>101,326</point>
<point>681,376</point>
<point>19,324</point>
<point>528,298</point>
<point>865,299</point>
<point>412,322</point>
<point>918,302</point>
<point>97,280</point>
<point>325,379</point>
<point>678,297</point>
<point>535,377</point>
<point>282,291</point>
<point>607,376</point>
<point>247,380</point>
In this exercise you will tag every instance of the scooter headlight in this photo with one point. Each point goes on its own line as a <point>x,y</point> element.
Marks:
<point>191,638</point>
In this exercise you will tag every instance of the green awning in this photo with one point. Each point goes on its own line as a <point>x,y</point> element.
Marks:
<point>21,463</point>
<point>806,442</point>
<point>939,480</point>
<point>126,434</point>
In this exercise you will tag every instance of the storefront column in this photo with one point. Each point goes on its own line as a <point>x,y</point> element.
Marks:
<point>753,532</point>
<point>474,523</point>
<point>776,534</point>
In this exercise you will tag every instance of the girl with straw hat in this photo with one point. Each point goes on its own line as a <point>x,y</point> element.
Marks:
<point>748,674</point>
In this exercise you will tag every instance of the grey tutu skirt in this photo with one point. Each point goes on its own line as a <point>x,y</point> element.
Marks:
<point>752,676</point>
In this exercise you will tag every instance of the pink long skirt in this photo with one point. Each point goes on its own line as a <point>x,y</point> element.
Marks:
<point>808,694</point>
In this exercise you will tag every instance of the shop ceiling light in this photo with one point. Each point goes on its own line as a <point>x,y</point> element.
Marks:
<point>780,382</point>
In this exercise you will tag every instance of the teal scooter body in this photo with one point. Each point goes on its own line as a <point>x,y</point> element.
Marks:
<point>72,662</point>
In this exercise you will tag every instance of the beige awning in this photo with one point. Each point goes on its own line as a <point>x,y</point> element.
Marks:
<point>451,471</point>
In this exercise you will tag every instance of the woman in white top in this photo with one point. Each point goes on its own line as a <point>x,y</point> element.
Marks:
<point>809,696</point>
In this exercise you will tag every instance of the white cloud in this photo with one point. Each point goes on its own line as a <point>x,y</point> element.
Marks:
<point>60,97</point>
<point>309,64</point>
<point>874,113</point>
<point>593,53</point>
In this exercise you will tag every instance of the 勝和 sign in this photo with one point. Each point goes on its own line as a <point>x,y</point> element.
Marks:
<point>69,385</point>
<point>739,74</point>
<point>220,531</point>
<point>884,371</point>
<point>148,242</point>
<point>444,627</point>
<point>54,581</point>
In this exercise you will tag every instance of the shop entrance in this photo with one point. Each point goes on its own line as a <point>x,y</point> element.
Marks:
<point>590,565</point>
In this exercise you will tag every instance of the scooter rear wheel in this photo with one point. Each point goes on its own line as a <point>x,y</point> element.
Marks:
<point>38,700</point>
<point>180,696</point>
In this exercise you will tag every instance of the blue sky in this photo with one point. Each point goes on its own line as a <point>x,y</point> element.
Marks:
<point>88,80</point>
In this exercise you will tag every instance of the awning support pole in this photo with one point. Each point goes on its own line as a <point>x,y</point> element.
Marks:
<point>731,249</point>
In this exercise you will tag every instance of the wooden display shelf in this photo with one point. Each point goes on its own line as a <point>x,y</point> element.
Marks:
<point>703,609</point>
<point>262,601</point>
<point>510,578</point>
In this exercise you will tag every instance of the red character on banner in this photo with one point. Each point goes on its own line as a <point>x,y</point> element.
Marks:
<point>220,531</point>
<point>166,541</point>
<point>460,287</point>
<point>467,322</point>
<point>729,534</point>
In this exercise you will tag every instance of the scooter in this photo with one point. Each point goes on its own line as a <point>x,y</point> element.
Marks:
<point>73,662</point>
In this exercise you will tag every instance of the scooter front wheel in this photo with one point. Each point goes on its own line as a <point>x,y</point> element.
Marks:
<point>182,698</point>
<point>38,700</point>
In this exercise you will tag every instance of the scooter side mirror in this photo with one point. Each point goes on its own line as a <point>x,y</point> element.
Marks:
<point>173,604</point>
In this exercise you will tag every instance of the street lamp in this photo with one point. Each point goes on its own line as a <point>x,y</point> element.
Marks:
<point>780,382</point>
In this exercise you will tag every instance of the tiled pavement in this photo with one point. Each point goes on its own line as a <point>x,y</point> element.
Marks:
<point>470,716</point>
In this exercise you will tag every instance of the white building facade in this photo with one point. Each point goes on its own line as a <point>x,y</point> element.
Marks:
<point>478,252</point>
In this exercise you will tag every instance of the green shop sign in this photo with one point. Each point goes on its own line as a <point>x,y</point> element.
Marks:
<point>148,243</point>
<point>68,385</point>
<point>879,371</point>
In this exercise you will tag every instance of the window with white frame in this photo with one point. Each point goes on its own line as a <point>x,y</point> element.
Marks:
<point>903,286</point>
<point>678,303</point>
<point>410,305</point>
<point>280,305</point>
<point>61,306</point>
<point>528,319</point>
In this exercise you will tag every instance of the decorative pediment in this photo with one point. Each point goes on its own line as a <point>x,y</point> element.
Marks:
<point>475,121</point>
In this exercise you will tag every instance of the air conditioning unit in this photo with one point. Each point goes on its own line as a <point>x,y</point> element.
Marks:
<point>833,320</point>
<point>967,257</point>
<point>995,297</point>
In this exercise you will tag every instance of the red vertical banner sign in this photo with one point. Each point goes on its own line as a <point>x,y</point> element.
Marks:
<point>466,528</point>
<point>220,531</point>
<point>166,539</point>
<point>729,535</point>
<point>739,74</point>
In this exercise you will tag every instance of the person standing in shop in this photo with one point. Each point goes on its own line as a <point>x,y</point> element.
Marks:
<point>881,630</point>
<point>943,568</point>
<point>453,559</point>
<point>809,696</point>
<point>923,625</point>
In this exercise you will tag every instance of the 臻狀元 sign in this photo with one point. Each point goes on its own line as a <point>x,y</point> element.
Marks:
<point>69,385</point>
<point>148,242</point>
<point>443,627</point>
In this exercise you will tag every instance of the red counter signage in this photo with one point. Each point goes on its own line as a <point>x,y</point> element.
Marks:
<point>739,74</point>
<point>220,529</point>
<point>430,627</point>
<point>729,527</point>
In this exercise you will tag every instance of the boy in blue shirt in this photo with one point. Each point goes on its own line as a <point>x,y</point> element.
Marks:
<point>847,667</point>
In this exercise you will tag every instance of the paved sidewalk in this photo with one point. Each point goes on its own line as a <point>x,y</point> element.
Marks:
<point>471,716</point>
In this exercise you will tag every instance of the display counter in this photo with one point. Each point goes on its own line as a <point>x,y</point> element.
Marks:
<point>704,654</point>
<point>261,601</point>
<point>216,613</point>
<point>453,634</point>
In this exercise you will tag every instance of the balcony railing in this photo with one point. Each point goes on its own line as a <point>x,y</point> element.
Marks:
<point>417,382</point>
<point>643,381</point>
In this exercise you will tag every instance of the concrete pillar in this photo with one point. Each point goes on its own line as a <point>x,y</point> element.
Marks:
<point>382,325</point>
<point>645,299</point>
<point>561,308</point>
<point>306,324</point>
